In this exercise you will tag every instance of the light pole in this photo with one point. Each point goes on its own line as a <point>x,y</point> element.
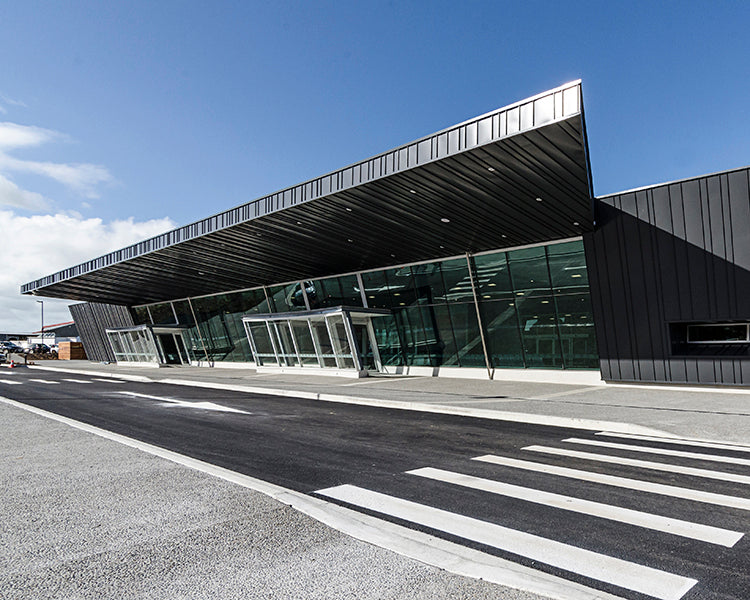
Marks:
<point>42,334</point>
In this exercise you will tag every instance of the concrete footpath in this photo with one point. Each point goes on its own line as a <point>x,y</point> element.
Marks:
<point>86,517</point>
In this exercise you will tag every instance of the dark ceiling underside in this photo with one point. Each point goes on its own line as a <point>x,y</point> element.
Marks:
<point>394,219</point>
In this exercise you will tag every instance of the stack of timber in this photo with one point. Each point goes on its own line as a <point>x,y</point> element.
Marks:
<point>71,351</point>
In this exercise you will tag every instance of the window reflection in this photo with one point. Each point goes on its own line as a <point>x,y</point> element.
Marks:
<point>534,305</point>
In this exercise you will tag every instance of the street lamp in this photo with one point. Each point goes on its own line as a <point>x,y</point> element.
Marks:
<point>42,334</point>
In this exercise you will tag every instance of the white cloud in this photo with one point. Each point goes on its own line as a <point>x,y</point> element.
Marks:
<point>12,195</point>
<point>83,178</point>
<point>13,135</point>
<point>39,245</point>
<point>7,100</point>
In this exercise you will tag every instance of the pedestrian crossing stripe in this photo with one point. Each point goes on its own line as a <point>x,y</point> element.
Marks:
<point>661,451</point>
<point>614,571</point>
<point>643,464</point>
<point>661,489</point>
<point>678,441</point>
<point>696,531</point>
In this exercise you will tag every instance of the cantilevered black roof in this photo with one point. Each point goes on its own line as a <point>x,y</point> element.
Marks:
<point>518,175</point>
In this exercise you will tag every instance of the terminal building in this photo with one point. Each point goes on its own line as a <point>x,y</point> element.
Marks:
<point>474,251</point>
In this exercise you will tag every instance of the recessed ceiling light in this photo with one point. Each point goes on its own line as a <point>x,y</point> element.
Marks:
<point>413,191</point>
<point>350,240</point>
<point>505,236</point>
<point>576,223</point>
<point>402,303</point>
<point>299,222</point>
<point>348,209</point>
<point>487,297</point>
<point>576,275</point>
<point>491,169</point>
<point>538,199</point>
<point>545,301</point>
<point>492,284</point>
<point>445,220</point>
<point>519,293</point>
<point>393,256</point>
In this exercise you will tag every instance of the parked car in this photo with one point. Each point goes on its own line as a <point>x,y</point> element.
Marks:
<point>38,349</point>
<point>11,348</point>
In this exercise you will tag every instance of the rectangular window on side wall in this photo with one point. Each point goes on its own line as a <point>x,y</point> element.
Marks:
<point>710,339</point>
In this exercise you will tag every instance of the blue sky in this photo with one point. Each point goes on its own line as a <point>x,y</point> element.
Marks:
<point>142,115</point>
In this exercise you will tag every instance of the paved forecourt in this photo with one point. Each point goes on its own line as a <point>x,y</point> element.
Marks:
<point>535,521</point>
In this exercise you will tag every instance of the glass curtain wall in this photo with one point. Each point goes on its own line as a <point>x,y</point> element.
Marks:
<point>534,306</point>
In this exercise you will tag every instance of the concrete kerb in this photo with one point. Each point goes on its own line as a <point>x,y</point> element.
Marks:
<point>495,415</point>
<point>406,542</point>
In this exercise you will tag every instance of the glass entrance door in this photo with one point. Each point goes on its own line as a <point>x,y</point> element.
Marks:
<point>145,344</point>
<point>168,346</point>
<point>172,348</point>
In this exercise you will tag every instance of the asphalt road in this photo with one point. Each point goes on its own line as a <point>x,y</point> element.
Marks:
<point>680,535</point>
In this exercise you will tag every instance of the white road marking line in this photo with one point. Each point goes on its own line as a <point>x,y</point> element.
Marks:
<point>643,464</point>
<point>411,543</point>
<point>77,380</point>
<point>678,441</point>
<point>615,571</point>
<point>662,451</point>
<point>9,382</point>
<point>186,404</point>
<point>621,482</point>
<point>582,390</point>
<point>45,381</point>
<point>108,380</point>
<point>696,531</point>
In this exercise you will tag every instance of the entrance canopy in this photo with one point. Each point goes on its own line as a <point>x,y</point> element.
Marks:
<point>145,344</point>
<point>340,338</point>
<point>518,175</point>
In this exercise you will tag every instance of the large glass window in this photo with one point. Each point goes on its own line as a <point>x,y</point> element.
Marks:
<point>529,271</point>
<point>500,320</point>
<point>334,291</point>
<point>534,304</point>
<point>567,265</point>
<point>141,316</point>
<point>219,329</point>
<point>577,334</point>
<point>162,314</point>
<point>287,298</point>
<point>541,342</point>
<point>377,290</point>
<point>468,338</point>
<point>457,281</point>
<point>493,277</point>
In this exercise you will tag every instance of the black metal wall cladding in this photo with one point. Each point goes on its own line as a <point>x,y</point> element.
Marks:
<point>672,253</point>
<point>92,321</point>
